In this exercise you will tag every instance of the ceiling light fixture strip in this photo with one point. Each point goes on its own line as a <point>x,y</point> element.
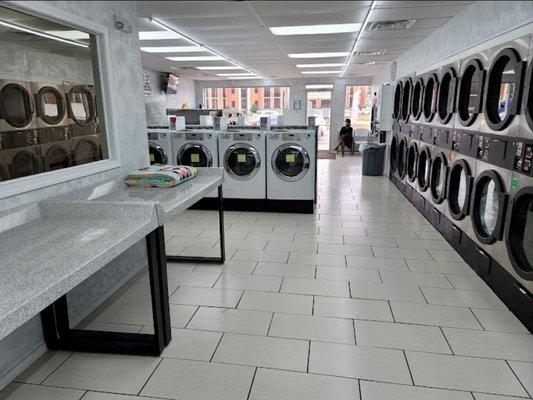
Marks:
<point>163,25</point>
<point>363,27</point>
<point>42,34</point>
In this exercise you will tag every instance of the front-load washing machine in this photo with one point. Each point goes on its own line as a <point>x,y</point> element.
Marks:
<point>291,169</point>
<point>22,153</point>
<point>243,154</point>
<point>197,148</point>
<point>50,105</point>
<point>160,146</point>
<point>17,106</point>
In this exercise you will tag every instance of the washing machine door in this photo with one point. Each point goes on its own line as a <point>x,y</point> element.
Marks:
<point>520,233</point>
<point>16,105</point>
<point>489,202</point>
<point>157,154</point>
<point>423,168</point>
<point>242,161</point>
<point>24,164</point>
<point>290,162</point>
<point>394,154</point>
<point>412,159</point>
<point>446,95</point>
<point>402,155</point>
<point>86,151</point>
<point>56,158</point>
<point>81,105</point>
<point>406,100</point>
<point>438,178</point>
<point>430,97</point>
<point>459,189</point>
<point>50,105</point>
<point>195,155</point>
<point>397,110</point>
<point>470,97</point>
<point>417,98</point>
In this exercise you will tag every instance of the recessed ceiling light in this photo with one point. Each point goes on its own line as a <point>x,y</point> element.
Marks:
<point>195,58</point>
<point>237,74</point>
<point>315,29</point>
<point>319,55</point>
<point>325,65</point>
<point>319,86</point>
<point>220,67</point>
<point>158,35</point>
<point>320,72</point>
<point>173,49</point>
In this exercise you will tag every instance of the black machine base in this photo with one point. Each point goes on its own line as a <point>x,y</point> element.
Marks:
<point>262,205</point>
<point>509,290</point>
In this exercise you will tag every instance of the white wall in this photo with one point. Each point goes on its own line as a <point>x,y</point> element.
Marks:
<point>298,92</point>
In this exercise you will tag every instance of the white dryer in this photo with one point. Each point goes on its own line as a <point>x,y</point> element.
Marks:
<point>196,148</point>
<point>160,146</point>
<point>242,154</point>
<point>291,171</point>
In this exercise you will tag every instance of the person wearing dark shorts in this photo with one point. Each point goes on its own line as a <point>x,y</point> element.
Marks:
<point>345,137</point>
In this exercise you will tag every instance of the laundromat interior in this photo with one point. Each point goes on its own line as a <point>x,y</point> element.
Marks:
<point>266,200</point>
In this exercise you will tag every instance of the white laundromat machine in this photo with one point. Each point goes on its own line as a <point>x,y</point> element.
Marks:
<point>160,146</point>
<point>290,156</point>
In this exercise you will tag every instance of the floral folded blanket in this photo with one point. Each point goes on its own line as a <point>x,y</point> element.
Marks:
<point>160,176</point>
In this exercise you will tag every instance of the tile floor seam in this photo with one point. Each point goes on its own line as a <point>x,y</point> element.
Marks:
<point>477,319</point>
<point>150,376</point>
<point>313,306</point>
<point>447,341</point>
<point>239,301</point>
<point>252,384</point>
<point>354,332</point>
<point>408,367</point>
<point>308,355</point>
<point>516,376</point>
<point>423,295</point>
<point>55,369</point>
<point>216,347</point>
<point>191,318</point>
<point>392,313</point>
<point>270,324</point>
<point>281,284</point>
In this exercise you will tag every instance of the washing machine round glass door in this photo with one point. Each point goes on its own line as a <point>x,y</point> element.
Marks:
<point>430,97</point>
<point>81,105</point>
<point>56,158</point>
<point>446,95</point>
<point>520,233</point>
<point>86,151</point>
<point>397,110</point>
<point>459,189</point>
<point>24,164</point>
<point>402,151</point>
<point>393,153</point>
<point>290,162</point>
<point>504,89</point>
<point>470,101</point>
<point>242,161</point>
<point>157,154</point>
<point>488,206</point>
<point>50,105</point>
<point>406,100</point>
<point>438,178</point>
<point>412,158</point>
<point>424,167</point>
<point>417,99</point>
<point>17,106</point>
<point>195,155</point>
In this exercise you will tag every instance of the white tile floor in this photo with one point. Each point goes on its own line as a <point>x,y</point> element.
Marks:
<point>362,301</point>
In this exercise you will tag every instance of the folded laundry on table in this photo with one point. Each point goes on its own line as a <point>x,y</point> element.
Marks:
<point>160,176</point>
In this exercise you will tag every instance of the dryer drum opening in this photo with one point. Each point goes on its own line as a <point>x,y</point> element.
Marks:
<point>470,101</point>
<point>56,158</point>
<point>81,105</point>
<point>85,152</point>
<point>430,97</point>
<point>412,159</point>
<point>24,164</point>
<point>446,96</point>
<point>50,105</point>
<point>398,101</point>
<point>406,100</point>
<point>438,178</point>
<point>424,167</point>
<point>459,189</point>
<point>402,153</point>
<point>520,233</point>
<point>394,153</point>
<point>16,105</point>
<point>417,99</point>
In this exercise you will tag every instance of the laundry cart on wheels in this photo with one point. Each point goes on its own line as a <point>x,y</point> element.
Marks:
<point>373,158</point>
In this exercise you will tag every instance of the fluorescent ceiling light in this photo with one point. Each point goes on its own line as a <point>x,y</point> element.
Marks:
<point>319,55</point>
<point>315,29</point>
<point>320,72</point>
<point>238,74</point>
<point>173,49</point>
<point>365,23</point>
<point>216,55</point>
<point>319,86</point>
<point>72,34</point>
<point>195,58</point>
<point>325,65</point>
<point>42,34</point>
<point>220,68</point>
<point>158,35</point>
<point>244,77</point>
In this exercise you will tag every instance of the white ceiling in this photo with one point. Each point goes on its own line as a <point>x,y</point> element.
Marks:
<point>239,30</point>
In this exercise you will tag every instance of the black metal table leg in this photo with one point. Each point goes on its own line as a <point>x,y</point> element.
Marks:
<point>210,260</point>
<point>59,336</point>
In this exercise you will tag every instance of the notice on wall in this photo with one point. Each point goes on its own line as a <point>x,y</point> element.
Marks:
<point>147,85</point>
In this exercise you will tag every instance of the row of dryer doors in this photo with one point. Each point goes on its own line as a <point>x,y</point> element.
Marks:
<point>499,203</point>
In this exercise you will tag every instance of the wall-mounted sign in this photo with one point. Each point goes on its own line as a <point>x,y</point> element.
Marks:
<point>297,104</point>
<point>147,87</point>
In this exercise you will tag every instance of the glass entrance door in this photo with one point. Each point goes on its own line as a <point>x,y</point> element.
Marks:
<point>319,106</point>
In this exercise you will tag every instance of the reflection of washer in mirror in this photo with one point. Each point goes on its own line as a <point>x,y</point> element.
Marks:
<point>81,105</point>
<point>412,159</point>
<point>519,236</point>
<point>470,98</point>
<point>504,89</point>
<point>488,206</point>
<point>290,162</point>
<point>242,161</point>
<point>459,189</point>
<point>195,155</point>
<point>438,178</point>
<point>424,167</point>
<point>50,107</point>
<point>417,99</point>
<point>17,109</point>
<point>430,97</point>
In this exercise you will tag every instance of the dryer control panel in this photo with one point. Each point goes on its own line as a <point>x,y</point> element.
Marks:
<point>523,157</point>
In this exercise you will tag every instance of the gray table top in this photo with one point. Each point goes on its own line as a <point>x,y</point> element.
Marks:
<point>48,248</point>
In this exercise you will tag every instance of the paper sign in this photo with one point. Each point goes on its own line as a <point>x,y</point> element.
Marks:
<point>290,158</point>
<point>152,158</point>
<point>195,158</point>
<point>241,158</point>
